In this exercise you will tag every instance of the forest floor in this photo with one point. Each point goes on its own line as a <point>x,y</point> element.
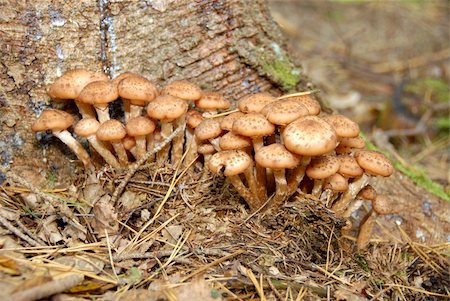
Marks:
<point>168,237</point>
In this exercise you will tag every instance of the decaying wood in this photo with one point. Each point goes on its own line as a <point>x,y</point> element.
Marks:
<point>230,46</point>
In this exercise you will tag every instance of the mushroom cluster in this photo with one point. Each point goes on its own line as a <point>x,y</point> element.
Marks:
<point>269,148</point>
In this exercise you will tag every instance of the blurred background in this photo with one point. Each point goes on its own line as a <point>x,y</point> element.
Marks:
<point>386,64</point>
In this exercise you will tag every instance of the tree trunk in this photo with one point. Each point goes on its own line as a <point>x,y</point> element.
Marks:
<point>230,46</point>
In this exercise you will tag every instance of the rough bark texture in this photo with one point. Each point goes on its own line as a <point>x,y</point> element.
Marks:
<point>231,46</point>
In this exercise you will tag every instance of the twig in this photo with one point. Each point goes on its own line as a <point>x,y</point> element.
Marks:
<point>134,167</point>
<point>28,232</point>
<point>17,232</point>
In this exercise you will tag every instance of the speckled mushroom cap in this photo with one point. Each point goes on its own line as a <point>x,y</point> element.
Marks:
<point>231,141</point>
<point>193,118</point>
<point>208,129</point>
<point>312,105</point>
<point>349,167</point>
<point>227,121</point>
<point>374,163</point>
<point>231,162</point>
<point>309,136</point>
<point>128,142</point>
<point>343,126</point>
<point>383,204</point>
<point>206,149</point>
<point>276,156</point>
<point>337,183</point>
<point>367,193</point>
<point>283,112</point>
<point>140,126</point>
<point>183,89</point>
<point>98,93</point>
<point>212,101</point>
<point>86,127</point>
<point>166,108</point>
<point>111,130</point>
<point>255,102</point>
<point>322,167</point>
<point>70,84</point>
<point>51,119</point>
<point>353,142</point>
<point>253,125</point>
<point>137,89</point>
<point>116,80</point>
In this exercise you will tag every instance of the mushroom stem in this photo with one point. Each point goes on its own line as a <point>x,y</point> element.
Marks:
<point>178,141</point>
<point>151,146</point>
<point>121,153</point>
<point>252,184</point>
<point>365,229</point>
<point>353,189</point>
<point>192,145</point>
<point>166,130</point>
<point>258,142</point>
<point>102,113</point>
<point>141,145</point>
<point>103,151</point>
<point>281,190</point>
<point>297,175</point>
<point>74,145</point>
<point>317,188</point>
<point>126,108</point>
<point>251,199</point>
<point>86,110</point>
<point>135,111</point>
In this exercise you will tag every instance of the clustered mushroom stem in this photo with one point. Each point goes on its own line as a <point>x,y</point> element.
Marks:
<point>297,175</point>
<point>251,199</point>
<point>150,146</point>
<point>166,130</point>
<point>317,188</point>
<point>365,229</point>
<point>353,189</point>
<point>103,114</point>
<point>103,151</point>
<point>191,144</point>
<point>74,145</point>
<point>140,146</point>
<point>86,110</point>
<point>178,141</point>
<point>135,111</point>
<point>252,184</point>
<point>121,153</point>
<point>281,191</point>
<point>258,142</point>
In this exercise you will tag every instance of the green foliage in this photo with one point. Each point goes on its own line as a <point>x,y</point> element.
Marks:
<point>443,123</point>
<point>362,262</point>
<point>281,71</point>
<point>437,89</point>
<point>415,173</point>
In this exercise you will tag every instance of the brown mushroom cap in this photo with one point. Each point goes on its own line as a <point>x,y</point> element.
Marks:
<point>167,108</point>
<point>367,193</point>
<point>128,142</point>
<point>253,125</point>
<point>309,136</point>
<point>231,162</point>
<point>255,102</point>
<point>140,126</point>
<point>276,156</point>
<point>349,167</point>
<point>231,141</point>
<point>183,89</point>
<point>206,149</point>
<point>227,121</point>
<point>51,119</point>
<point>383,204</point>
<point>208,129</point>
<point>111,130</point>
<point>211,101</point>
<point>70,84</point>
<point>193,118</point>
<point>312,105</point>
<point>86,127</point>
<point>322,167</point>
<point>284,111</point>
<point>374,163</point>
<point>116,80</point>
<point>137,89</point>
<point>337,183</point>
<point>354,142</point>
<point>98,93</point>
<point>343,126</point>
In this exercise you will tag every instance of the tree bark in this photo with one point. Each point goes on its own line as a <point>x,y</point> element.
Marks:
<point>230,46</point>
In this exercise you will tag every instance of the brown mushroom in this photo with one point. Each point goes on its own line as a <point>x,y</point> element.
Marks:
<point>321,168</point>
<point>136,91</point>
<point>99,94</point>
<point>140,128</point>
<point>312,105</point>
<point>254,103</point>
<point>343,126</point>
<point>113,131</point>
<point>183,89</point>
<point>193,119</point>
<point>58,122</point>
<point>211,102</point>
<point>87,127</point>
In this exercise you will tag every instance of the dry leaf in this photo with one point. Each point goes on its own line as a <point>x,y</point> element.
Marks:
<point>105,216</point>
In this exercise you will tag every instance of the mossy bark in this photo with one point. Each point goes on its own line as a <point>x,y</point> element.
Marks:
<point>222,45</point>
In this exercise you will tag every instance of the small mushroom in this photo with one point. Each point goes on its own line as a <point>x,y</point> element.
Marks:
<point>312,105</point>
<point>211,102</point>
<point>343,126</point>
<point>283,112</point>
<point>87,127</point>
<point>168,109</point>
<point>232,163</point>
<point>140,127</point>
<point>321,168</point>
<point>58,122</point>
<point>277,158</point>
<point>374,163</point>
<point>136,91</point>
<point>129,143</point>
<point>113,131</point>
<point>226,123</point>
<point>193,119</point>
<point>209,130</point>
<point>254,103</point>
<point>183,89</point>
<point>99,94</point>
<point>69,86</point>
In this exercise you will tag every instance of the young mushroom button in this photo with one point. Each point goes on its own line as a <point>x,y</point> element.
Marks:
<point>99,94</point>
<point>343,126</point>
<point>374,163</point>
<point>113,131</point>
<point>183,89</point>
<point>136,91</point>
<point>58,121</point>
<point>255,102</point>
<point>139,128</point>
<point>321,168</point>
